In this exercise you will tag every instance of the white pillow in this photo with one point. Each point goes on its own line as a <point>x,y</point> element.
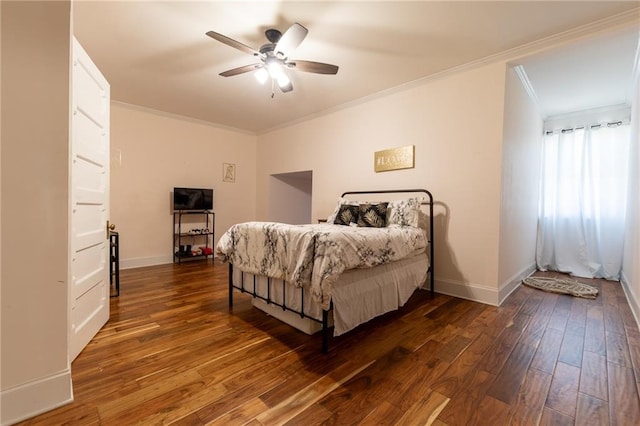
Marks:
<point>404,212</point>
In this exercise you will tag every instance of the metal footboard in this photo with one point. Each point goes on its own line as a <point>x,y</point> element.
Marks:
<point>252,290</point>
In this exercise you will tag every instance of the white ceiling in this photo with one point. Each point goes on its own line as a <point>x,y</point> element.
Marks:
<point>585,75</point>
<point>156,54</point>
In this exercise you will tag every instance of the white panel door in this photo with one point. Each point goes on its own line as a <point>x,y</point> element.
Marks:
<point>90,250</point>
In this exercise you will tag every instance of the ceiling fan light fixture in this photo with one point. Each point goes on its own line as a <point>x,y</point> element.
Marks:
<point>283,80</point>
<point>276,71</point>
<point>261,75</point>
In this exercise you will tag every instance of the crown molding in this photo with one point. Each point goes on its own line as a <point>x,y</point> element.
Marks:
<point>181,117</point>
<point>617,22</point>
<point>528,87</point>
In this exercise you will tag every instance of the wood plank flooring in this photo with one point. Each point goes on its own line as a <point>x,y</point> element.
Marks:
<point>173,353</point>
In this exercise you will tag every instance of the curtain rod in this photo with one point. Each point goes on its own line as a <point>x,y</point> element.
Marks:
<point>593,126</point>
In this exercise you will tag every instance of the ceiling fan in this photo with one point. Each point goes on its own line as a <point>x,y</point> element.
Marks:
<point>274,57</point>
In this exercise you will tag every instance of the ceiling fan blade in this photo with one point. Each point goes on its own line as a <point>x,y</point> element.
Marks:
<point>233,43</point>
<point>241,70</point>
<point>290,40</point>
<point>315,67</point>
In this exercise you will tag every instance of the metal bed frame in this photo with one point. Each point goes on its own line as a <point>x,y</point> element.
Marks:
<point>325,312</point>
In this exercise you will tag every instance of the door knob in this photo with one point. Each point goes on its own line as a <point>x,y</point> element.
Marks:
<point>110,227</point>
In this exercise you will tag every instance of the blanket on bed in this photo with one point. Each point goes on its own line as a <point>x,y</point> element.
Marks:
<point>315,255</point>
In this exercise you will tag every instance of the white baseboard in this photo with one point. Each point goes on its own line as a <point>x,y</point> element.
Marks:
<point>36,397</point>
<point>473,292</point>
<point>480,293</point>
<point>141,262</point>
<point>512,283</point>
<point>634,304</point>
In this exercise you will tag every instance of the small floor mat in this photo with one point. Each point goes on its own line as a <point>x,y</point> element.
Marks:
<point>563,286</point>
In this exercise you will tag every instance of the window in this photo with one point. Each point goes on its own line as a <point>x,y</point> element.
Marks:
<point>583,200</point>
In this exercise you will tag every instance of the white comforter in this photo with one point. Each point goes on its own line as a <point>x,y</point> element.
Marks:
<point>315,255</point>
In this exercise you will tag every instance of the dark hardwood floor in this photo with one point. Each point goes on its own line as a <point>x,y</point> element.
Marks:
<point>173,353</point>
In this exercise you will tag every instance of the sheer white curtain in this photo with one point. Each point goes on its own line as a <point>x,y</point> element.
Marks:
<point>583,201</point>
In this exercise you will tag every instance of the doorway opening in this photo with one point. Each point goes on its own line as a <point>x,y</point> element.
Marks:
<point>290,197</point>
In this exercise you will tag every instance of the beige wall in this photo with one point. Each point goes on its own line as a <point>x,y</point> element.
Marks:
<point>35,131</point>
<point>151,153</point>
<point>455,123</point>
<point>521,151</point>
<point>631,265</point>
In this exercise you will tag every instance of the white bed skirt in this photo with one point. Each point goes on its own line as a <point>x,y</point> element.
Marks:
<point>358,296</point>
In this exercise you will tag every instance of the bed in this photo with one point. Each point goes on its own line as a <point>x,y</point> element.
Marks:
<point>367,259</point>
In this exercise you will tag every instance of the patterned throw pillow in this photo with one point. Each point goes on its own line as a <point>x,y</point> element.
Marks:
<point>372,215</point>
<point>341,201</point>
<point>404,212</point>
<point>347,214</point>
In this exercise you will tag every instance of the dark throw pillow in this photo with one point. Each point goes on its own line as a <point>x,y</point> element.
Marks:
<point>372,215</point>
<point>346,215</point>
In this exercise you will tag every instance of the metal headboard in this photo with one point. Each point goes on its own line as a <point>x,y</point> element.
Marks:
<point>429,203</point>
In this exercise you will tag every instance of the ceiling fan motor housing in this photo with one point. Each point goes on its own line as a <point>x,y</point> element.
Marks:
<point>267,49</point>
<point>273,35</point>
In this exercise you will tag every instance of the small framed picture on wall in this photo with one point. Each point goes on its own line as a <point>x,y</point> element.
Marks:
<point>228,172</point>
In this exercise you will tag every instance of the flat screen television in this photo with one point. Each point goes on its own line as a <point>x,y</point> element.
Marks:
<point>192,199</point>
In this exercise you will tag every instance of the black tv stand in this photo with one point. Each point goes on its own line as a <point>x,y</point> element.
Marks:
<point>193,235</point>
